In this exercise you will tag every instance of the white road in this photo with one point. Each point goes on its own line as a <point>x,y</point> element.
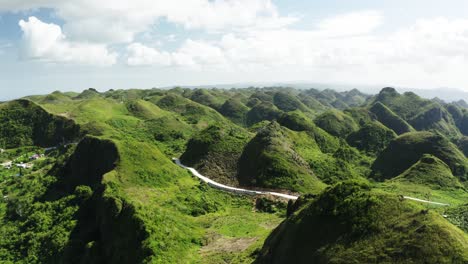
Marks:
<point>424,201</point>
<point>253,192</point>
<point>229,188</point>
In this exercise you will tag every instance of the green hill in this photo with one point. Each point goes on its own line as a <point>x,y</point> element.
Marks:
<point>88,94</point>
<point>287,102</point>
<point>23,123</point>
<point>215,152</point>
<point>390,119</point>
<point>235,111</point>
<point>270,161</point>
<point>430,171</point>
<point>336,123</point>
<point>436,119</point>
<point>297,121</point>
<point>372,138</point>
<point>117,197</point>
<point>408,148</point>
<point>349,223</point>
<point>262,111</point>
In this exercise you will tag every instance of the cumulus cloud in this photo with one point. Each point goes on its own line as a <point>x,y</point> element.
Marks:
<point>355,23</point>
<point>432,49</point>
<point>117,21</point>
<point>46,42</point>
<point>141,55</point>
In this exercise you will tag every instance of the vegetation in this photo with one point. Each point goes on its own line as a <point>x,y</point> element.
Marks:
<point>23,123</point>
<point>336,123</point>
<point>351,222</point>
<point>372,138</point>
<point>408,148</point>
<point>116,196</point>
<point>390,119</point>
<point>215,152</point>
<point>270,161</point>
<point>430,171</point>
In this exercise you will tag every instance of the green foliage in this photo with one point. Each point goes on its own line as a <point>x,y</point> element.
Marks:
<point>23,123</point>
<point>372,138</point>
<point>390,119</point>
<point>458,216</point>
<point>408,148</point>
<point>297,121</point>
<point>430,171</point>
<point>421,113</point>
<point>262,111</point>
<point>349,223</point>
<point>436,118</point>
<point>120,199</point>
<point>215,152</point>
<point>336,123</point>
<point>235,111</point>
<point>287,102</point>
<point>270,161</point>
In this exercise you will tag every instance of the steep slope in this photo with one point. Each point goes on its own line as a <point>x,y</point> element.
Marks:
<point>297,121</point>
<point>437,119</point>
<point>262,111</point>
<point>390,119</point>
<point>235,111</point>
<point>270,161</point>
<point>287,102</point>
<point>371,138</point>
<point>408,148</point>
<point>215,152</point>
<point>336,123</point>
<point>421,113</point>
<point>191,112</point>
<point>22,122</point>
<point>349,223</point>
<point>430,171</point>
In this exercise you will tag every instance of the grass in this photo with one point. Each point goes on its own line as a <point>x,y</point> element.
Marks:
<point>147,209</point>
<point>350,222</point>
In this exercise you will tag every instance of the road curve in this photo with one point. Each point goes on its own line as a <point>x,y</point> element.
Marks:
<point>424,201</point>
<point>229,188</point>
<point>253,192</point>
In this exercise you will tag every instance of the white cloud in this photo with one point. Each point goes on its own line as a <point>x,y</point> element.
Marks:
<point>354,23</point>
<point>117,21</point>
<point>429,51</point>
<point>141,55</point>
<point>46,42</point>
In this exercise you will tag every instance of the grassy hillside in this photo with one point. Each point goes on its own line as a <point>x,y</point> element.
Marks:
<point>270,161</point>
<point>350,223</point>
<point>215,152</point>
<point>408,148</point>
<point>235,111</point>
<point>390,119</point>
<point>430,171</point>
<point>117,197</point>
<point>336,123</point>
<point>23,123</point>
<point>372,138</point>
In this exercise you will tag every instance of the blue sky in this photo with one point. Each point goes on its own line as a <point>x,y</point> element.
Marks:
<point>72,45</point>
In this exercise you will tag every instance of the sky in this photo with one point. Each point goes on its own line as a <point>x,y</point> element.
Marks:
<point>48,45</point>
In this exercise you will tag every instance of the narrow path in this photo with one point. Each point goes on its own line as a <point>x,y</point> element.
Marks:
<point>424,201</point>
<point>229,188</point>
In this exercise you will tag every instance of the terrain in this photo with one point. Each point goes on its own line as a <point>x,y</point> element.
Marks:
<point>89,177</point>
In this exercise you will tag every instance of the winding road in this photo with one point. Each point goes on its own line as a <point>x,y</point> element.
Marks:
<point>253,192</point>
<point>229,188</point>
